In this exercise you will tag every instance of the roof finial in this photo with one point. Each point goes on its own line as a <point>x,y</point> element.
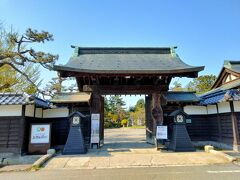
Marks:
<point>76,50</point>
<point>173,52</point>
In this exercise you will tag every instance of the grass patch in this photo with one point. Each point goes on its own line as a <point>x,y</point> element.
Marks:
<point>34,168</point>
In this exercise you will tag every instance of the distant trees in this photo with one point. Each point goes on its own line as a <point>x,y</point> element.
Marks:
<point>137,113</point>
<point>115,115</point>
<point>114,112</point>
<point>177,86</point>
<point>200,85</point>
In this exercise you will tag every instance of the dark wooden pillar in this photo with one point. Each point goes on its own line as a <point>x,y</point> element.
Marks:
<point>22,140</point>
<point>219,125</point>
<point>102,121</point>
<point>149,120</point>
<point>96,106</point>
<point>236,141</point>
<point>157,112</point>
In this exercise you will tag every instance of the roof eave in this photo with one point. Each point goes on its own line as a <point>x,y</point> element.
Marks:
<point>158,72</point>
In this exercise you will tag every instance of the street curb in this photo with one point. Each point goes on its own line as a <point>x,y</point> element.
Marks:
<point>38,164</point>
<point>222,154</point>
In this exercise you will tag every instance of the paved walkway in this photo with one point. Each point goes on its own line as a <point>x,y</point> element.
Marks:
<point>127,148</point>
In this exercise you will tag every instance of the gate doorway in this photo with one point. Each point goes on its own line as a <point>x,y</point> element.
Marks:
<point>126,140</point>
<point>125,123</point>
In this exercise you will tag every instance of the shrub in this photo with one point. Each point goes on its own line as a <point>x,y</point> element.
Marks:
<point>124,122</point>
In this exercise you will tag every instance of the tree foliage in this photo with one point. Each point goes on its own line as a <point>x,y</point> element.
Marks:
<point>138,115</point>
<point>177,86</point>
<point>115,115</point>
<point>17,55</point>
<point>114,111</point>
<point>11,81</point>
<point>202,84</point>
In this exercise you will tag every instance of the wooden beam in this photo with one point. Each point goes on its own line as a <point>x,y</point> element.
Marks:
<point>173,73</point>
<point>125,89</point>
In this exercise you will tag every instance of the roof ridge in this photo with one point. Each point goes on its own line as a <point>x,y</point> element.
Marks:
<point>229,63</point>
<point>123,50</point>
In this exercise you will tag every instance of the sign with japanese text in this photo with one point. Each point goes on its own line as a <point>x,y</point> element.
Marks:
<point>95,122</point>
<point>40,134</point>
<point>161,132</point>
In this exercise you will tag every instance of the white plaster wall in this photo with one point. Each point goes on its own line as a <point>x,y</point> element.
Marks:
<point>53,113</point>
<point>228,78</point>
<point>10,110</point>
<point>233,77</point>
<point>212,109</point>
<point>29,111</point>
<point>224,107</point>
<point>39,113</point>
<point>195,110</point>
<point>236,105</point>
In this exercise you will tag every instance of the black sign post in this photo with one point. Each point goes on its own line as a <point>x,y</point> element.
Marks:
<point>75,141</point>
<point>180,141</point>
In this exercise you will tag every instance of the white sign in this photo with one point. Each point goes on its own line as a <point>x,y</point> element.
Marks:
<point>161,132</point>
<point>40,134</point>
<point>95,121</point>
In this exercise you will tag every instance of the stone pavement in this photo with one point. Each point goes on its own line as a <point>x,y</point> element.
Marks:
<point>134,160</point>
<point>13,163</point>
<point>234,154</point>
<point>16,168</point>
<point>127,148</point>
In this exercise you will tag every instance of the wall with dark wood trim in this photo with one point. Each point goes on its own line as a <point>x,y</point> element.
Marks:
<point>226,128</point>
<point>60,129</point>
<point>86,130</point>
<point>10,134</point>
<point>206,128</point>
<point>199,128</point>
<point>213,128</point>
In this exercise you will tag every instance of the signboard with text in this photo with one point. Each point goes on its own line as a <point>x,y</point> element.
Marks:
<point>161,132</point>
<point>95,122</point>
<point>39,138</point>
<point>40,133</point>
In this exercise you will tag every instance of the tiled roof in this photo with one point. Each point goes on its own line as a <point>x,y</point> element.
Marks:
<point>213,98</point>
<point>127,61</point>
<point>12,99</point>
<point>232,65</point>
<point>230,85</point>
<point>20,99</point>
<point>185,97</point>
<point>220,96</point>
<point>71,97</point>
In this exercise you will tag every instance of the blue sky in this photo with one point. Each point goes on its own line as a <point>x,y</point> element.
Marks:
<point>207,32</point>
